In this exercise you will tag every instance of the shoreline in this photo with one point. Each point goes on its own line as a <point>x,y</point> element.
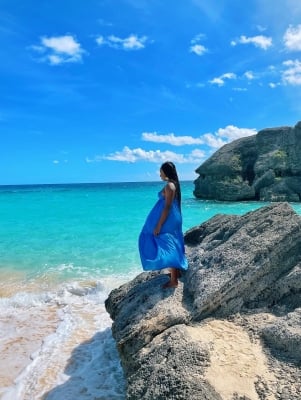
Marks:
<point>57,340</point>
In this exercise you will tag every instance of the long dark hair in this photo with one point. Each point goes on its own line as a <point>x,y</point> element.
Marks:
<point>170,171</point>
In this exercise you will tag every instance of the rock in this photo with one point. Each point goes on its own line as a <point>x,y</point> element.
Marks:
<point>232,328</point>
<point>265,167</point>
<point>283,336</point>
<point>170,357</point>
<point>143,297</point>
<point>240,263</point>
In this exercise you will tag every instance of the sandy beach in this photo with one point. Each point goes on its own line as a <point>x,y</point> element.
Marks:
<point>58,344</point>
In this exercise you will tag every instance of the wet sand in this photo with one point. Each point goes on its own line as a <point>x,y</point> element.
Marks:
<point>56,343</point>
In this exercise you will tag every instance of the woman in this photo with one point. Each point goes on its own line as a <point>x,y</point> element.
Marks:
<point>161,242</point>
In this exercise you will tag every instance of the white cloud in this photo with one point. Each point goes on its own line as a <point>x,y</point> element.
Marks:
<point>273,85</point>
<point>217,81</point>
<point>292,74</point>
<point>232,132</point>
<point>155,156</point>
<point>261,28</point>
<point>100,40</point>
<point>249,75</point>
<point>264,42</point>
<point>62,44</point>
<point>198,38</point>
<point>38,49</point>
<point>59,50</point>
<point>226,135</point>
<point>196,156</point>
<point>292,38</point>
<point>171,139</point>
<point>196,47</point>
<point>221,137</point>
<point>55,59</point>
<point>220,81</point>
<point>212,141</point>
<point>132,42</point>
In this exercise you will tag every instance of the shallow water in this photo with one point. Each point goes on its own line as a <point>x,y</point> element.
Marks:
<point>57,343</point>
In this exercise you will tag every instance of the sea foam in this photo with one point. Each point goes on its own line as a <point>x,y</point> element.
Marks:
<point>58,345</point>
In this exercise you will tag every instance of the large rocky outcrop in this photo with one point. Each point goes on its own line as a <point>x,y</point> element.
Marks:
<point>265,166</point>
<point>231,330</point>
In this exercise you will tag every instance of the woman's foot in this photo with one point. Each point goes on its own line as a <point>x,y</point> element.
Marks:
<point>173,282</point>
<point>170,284</point>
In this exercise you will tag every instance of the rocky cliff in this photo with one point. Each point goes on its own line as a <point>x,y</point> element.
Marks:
<point>265,166</point>
<point>231,330</point>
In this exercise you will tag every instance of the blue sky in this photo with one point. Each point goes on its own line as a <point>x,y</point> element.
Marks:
<point>107,90</point>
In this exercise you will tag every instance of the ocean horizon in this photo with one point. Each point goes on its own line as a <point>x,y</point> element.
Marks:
<point>63,248</point>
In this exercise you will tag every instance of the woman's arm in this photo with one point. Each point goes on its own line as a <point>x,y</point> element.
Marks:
<point>169,194</point>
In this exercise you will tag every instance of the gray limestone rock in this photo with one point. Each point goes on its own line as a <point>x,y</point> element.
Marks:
<point>283,336</point>
<point>170,367</point>
<point>234,316</point>
<point>241,259</point>
<point>265,166</point>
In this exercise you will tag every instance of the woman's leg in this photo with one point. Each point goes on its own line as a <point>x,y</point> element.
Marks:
<point>178,272</point>
<point>173,282</point>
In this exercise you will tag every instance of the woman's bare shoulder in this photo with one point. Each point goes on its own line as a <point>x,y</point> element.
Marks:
<point>169,188</point>
<point>170,185</point>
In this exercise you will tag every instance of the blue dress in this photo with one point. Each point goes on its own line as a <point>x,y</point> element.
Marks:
<point>167,249</point>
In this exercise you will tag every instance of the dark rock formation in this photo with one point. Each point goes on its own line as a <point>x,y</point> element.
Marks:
<point>265,166</point>
<point>232,328</point>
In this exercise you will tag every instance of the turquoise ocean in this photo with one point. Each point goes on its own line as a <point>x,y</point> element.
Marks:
<point>63,248</point>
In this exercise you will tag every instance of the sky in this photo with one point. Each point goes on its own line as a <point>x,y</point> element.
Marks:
<point>107,90</point>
